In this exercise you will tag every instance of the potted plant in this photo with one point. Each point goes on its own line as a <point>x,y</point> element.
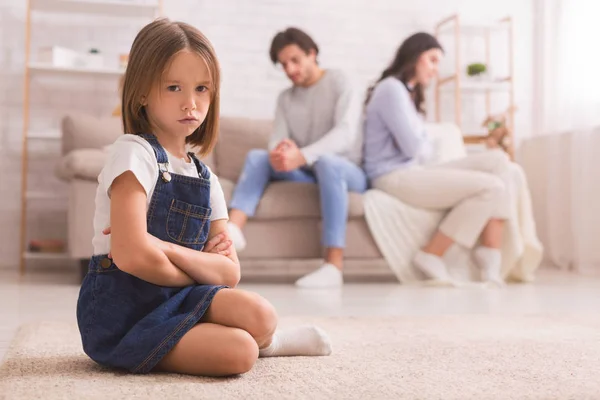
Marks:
<point>477,70</point>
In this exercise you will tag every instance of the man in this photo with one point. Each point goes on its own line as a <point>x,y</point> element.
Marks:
<point>315,139</point>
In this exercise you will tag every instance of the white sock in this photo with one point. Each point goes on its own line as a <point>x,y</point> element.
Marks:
<point>432,266</point>
<point>327,276</point>
<point>239,241</point>
<point>489,261</point>
<point>300,341</point>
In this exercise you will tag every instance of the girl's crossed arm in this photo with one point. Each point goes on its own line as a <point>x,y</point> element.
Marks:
<point>148,258</point>
<point>207,267</point>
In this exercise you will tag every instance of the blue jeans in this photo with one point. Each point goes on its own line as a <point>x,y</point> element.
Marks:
<point>334,175</point>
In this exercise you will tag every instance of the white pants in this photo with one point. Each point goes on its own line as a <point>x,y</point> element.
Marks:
<point>473,189</point>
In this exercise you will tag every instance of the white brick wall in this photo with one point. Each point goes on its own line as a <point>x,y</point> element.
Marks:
<point>358,36</point>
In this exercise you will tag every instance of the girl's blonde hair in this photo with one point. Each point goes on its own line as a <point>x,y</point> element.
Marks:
<point>151,52</point>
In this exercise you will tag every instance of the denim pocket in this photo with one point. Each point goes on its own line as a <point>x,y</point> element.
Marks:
<point>186,223</point>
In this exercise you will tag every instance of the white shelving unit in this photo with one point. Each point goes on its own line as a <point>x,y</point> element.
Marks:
<point>130,9</point>
<point>472,29</point>
<point>28,255</point>
<point>49,134</point>
<point>37,195</point>
<point>457,84</point>
<point>478,86</point>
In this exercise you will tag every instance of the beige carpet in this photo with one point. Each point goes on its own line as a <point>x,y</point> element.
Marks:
<point>454,357</point>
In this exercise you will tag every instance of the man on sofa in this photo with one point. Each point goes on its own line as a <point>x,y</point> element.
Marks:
<point>316,139</point>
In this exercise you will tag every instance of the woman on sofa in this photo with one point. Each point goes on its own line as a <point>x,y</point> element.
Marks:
<point>398,160</point>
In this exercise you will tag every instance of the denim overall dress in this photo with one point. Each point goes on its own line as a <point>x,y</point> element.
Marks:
<point>129,323</point>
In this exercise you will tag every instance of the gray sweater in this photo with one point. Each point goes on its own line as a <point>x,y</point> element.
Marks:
<point>394,131</point>
<point>321,119</point>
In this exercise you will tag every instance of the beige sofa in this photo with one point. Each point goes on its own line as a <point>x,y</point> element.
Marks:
<point>283,237</point>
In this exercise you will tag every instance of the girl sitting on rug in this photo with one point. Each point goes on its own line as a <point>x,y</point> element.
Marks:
<point>159,294</point>
<point>397,154</point>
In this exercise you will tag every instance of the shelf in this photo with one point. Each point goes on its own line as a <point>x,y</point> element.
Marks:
<point>475,29</point>
<point>32,255</point>
<point>37,195</point>
<point>97,7</point>
<point>469,85</point>
<point>474,139</point>
<point>47,68</point>
<point>44,68</point>
<point>45,135</point>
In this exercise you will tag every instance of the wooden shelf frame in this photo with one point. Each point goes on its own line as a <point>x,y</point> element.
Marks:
<point>110,8</point>
<point>505,84</point>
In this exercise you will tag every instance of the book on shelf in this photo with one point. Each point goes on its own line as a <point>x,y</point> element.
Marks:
<point>46,246</point>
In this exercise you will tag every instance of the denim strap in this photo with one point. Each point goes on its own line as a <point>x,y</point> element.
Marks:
<point>202,170</point>
<point>161,155</point>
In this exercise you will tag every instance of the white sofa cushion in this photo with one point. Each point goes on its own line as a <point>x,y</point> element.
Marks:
<point>81,164</point>
<point>448,142</point>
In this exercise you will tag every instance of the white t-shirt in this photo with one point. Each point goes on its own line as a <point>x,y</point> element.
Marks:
<point>132,153</point>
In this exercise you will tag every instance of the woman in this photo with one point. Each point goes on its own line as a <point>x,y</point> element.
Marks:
<point>397,160</point>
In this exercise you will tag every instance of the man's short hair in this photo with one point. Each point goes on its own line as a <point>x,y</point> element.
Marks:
<point>292,36</point>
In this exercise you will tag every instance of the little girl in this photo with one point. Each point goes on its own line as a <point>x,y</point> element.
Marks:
<point>159,291</point>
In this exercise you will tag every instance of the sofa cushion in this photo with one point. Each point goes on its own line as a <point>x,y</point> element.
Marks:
<point>240,135</point>
<point>300,238</point>
<point>448,142</point>
<point>88,163</point>
<point>84,131</point>
<point>237,136</point>
<point>227,187</point>
<point>209,160</point>
<point>83,164</point>
<point>293,200</point>
<point>85,139</point>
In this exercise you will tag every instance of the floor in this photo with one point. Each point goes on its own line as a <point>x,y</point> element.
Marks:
<point>53,295</point>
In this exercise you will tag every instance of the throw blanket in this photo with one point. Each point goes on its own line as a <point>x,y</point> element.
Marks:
<point>401,230</point>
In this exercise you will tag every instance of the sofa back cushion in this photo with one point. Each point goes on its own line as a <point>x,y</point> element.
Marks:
<point>240,135</point>
<point>237,137</point>
<point>85,131</point>
<point>447,140</point>
<point>209,160</point>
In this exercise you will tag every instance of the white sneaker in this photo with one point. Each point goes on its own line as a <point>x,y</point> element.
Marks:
<point>237,237</point>
<point>328,276</point>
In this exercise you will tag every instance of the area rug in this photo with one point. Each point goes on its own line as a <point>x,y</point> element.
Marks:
<point>430,357</point>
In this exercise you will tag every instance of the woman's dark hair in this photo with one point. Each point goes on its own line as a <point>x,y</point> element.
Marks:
<point>403,66</point>
<point>292,36</point>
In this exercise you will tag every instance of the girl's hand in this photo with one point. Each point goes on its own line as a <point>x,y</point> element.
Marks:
<point>106,231</point>
<point>220,244</point>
